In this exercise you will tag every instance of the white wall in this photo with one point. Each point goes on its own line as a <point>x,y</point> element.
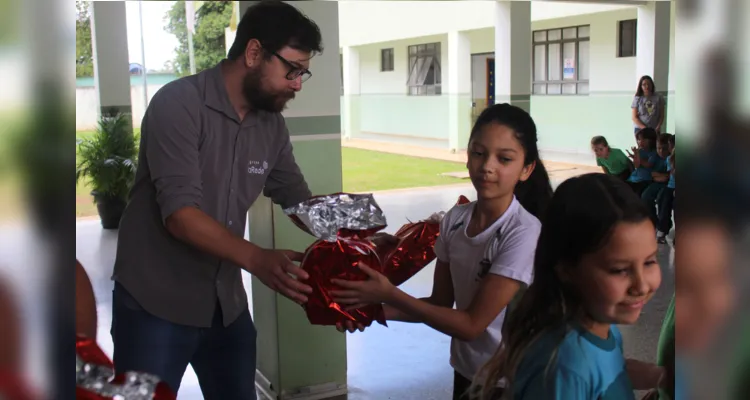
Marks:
<point>365,22</point>
<point>373,81</point>
<point>87,106</point>
<point>608,73</point>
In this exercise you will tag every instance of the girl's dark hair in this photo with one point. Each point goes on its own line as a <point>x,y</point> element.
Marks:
<point>664,139</point>
<point>599,140</point>
<point>579,221</point>
<point>648,133</point>
<point>535,193</point>
<point>276,24</point>
<point>639,91</point>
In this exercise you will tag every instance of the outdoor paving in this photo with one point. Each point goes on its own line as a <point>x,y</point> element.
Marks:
<point>420,369</point>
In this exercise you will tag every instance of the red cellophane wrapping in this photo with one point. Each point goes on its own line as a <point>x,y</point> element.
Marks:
<point>342,223</point>
<point>415,248</point>
<point>13,386</point>
<point>96,379</point>
<point>326,260</point>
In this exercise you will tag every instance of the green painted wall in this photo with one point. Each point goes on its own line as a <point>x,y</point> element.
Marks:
<point>565,123</point>
<point>399,114</point>
<point>285,337</point>
<point>461,124</point>
<point>152,79</point>
<point>351,115</point>
<point>568,123</point>
<point>325,354</point>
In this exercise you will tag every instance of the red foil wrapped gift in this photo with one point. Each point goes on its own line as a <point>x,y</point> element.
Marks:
<point>415,248</point>
<point>96,379</point>
<point>343,224</point>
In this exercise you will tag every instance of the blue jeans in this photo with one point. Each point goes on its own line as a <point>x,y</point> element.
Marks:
<point>223,357</point>
<point>651,195</point>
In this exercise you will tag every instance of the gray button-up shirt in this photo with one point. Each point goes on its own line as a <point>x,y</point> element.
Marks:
<point>196,152</point>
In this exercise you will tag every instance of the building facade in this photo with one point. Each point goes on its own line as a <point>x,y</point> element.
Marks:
<point>420,72</point>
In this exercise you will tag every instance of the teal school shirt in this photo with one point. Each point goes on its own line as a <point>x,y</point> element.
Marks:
<point>643,174</point>
<point>670,183</point>
<point>587,367</point>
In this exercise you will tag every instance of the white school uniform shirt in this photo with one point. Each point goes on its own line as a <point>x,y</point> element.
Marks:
<point>506,248</point>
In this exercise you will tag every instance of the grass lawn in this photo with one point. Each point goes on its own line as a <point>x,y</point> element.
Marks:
<point>363,171</point>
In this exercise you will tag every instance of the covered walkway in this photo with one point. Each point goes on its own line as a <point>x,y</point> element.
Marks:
<point>403,361</point>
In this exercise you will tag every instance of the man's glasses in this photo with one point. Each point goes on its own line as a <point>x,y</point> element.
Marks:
<point>294,70</point>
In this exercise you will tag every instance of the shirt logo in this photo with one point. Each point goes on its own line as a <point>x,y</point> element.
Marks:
<point>257,168</point>
<point>484,269</point>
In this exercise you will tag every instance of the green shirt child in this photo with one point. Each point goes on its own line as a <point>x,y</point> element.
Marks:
<point>616,163</point>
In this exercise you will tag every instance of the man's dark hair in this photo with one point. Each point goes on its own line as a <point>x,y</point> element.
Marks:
<point>276,24</point>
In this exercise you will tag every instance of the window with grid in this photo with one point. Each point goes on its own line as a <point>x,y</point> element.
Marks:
<point>386,60</point>
<point>424,69</point>
<point>561,61</point>
<point>627,36</point>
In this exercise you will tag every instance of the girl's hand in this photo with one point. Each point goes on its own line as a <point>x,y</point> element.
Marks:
<point>355,294</point>
<point>635,155</point>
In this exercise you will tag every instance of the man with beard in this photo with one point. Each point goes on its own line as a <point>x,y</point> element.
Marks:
<point>210,144</point>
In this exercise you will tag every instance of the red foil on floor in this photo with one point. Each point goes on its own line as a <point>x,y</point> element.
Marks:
<point>96,379</point>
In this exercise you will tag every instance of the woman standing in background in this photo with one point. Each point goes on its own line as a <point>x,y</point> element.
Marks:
<point>647,107</point>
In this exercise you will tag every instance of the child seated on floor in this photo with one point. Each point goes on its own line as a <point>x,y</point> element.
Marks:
<point>644,157</point>
<point>613,161</point>
<point>660,174</point>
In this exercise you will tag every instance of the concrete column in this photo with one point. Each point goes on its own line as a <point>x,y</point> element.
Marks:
<point>297,360</point>
<point>513,53</point>
<point>109,37</point>
<point>671,111</point>
<point>459,90</point>
<point>652,48</point>
<point>351,113</point>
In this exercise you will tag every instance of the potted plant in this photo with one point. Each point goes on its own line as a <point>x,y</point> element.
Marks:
<point>108,159</point>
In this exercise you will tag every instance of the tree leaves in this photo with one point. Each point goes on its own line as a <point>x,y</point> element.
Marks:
<point>84,51</point>
<point>209,45</point>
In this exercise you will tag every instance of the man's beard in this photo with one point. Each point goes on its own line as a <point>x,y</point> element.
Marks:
<point>261,99</point>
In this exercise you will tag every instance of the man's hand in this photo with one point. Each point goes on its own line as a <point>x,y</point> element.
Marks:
<point>349,326</point>
<point>275,268</point>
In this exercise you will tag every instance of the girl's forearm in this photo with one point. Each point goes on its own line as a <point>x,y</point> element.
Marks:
<point>454,323</point>
<point>643,375</point>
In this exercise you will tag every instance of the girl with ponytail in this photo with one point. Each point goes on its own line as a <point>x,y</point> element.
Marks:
<point>485,251</point>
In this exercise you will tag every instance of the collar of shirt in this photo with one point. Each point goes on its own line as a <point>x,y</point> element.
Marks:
<point>217,98</point>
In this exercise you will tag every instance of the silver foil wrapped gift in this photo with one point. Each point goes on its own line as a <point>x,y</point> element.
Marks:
<point>343,224</point>
<point>325,216</point>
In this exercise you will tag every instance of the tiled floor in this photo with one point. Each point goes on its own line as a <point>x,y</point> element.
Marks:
<point>420,370</point>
